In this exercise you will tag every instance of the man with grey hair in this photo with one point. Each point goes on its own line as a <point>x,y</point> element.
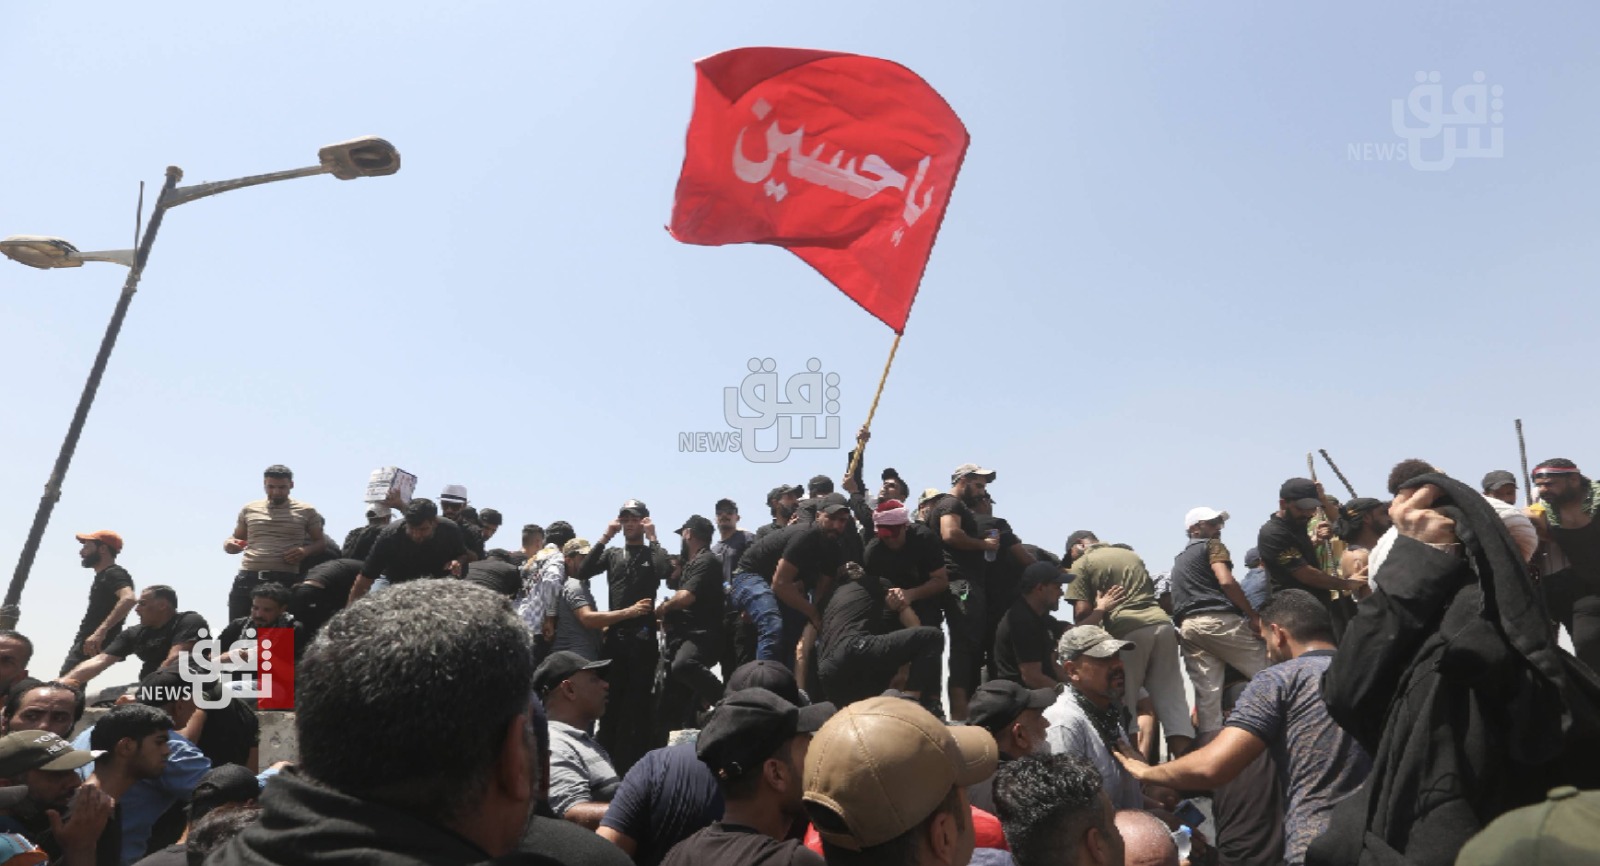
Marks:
<point>1087,719</point>
<point>415,732</point>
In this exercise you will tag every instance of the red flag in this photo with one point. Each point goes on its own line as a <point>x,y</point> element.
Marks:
<point>847,161</point>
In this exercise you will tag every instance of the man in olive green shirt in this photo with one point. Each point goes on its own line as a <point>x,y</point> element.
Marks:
<point>1113,590</point>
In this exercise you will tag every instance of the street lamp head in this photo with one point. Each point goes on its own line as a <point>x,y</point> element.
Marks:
<point>368,156</point>
<point>39,251</point>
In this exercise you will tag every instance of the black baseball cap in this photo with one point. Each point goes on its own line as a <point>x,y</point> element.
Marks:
<point>832,508</point>
<point>783,490</point>
<point>1498,479</point>
<point>225,785</point>
<point>701,527</point>
<point>726,506</point>
<point>1301,493</point>
<point>749,726</point>
<point>769,675</point>
<point>1360,505</point>
<point>560,667</point>
<point>820,485</point>
<point>635,507</point>
<point>997,703</point>
<point>1042,572</point>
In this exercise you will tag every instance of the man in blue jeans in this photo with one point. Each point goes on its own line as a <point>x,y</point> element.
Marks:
<point>785,565</point>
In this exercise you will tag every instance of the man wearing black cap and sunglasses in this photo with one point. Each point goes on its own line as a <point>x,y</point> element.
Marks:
<point>582,775</point>
<point>756,745</point>
<point>634,573</point>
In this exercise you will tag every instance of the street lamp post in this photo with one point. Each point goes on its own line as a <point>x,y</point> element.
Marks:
<point>347,160</point>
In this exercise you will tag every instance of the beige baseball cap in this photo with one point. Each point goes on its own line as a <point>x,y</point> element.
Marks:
<point>884,764</point>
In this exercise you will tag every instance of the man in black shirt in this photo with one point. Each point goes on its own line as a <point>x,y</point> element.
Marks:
<point>453,505</point>
<point>756,744</point>
<point>862,646</point>
<point>796,562</point>
<point>358,543</point>
<point>1024,643</point>
<point>162,633</point>
<point>323,593</point>
<point>910,557</point>
<point>489,521</point>
<point>1290,554</point>
<point>111,596</point>
<point>965,555</point>
<point>424,545</point>
<point>692,618</point>
<point>634,573</point>
<point>269,608</point>
<point>739,646</point>
<point>496,572</point>
<point>782,502</point>
<point>1002,573</point>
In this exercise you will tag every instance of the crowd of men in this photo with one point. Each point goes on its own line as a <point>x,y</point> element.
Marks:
<point>867,677</point>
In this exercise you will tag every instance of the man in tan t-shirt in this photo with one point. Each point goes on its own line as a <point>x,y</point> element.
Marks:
<point>275,535</point>
<point>1106,572</point>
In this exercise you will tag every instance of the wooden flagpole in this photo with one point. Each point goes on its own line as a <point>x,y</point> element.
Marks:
<point>855,460</point>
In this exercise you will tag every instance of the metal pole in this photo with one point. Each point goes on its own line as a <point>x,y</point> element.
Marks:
<point>12,610</point>
<point>1522,449</point>
<point>1335,467</point>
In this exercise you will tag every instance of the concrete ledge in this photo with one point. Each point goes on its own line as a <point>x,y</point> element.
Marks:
<point>278,740</point>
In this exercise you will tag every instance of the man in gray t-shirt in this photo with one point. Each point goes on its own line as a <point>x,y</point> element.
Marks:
<point>570,633</point>
<point>1281,709</point>
<point>578,624</point>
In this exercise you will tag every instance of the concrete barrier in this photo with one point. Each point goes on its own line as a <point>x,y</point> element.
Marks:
<point>278,741</point>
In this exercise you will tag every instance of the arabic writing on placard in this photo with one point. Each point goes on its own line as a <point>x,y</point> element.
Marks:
<point>793,415</point>
<point>859,177</point>
<point>1468,129</point>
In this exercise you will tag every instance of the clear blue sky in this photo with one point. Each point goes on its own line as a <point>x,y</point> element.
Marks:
<point>1162,279</point>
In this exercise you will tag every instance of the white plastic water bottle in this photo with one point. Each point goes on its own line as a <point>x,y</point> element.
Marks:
<point>991,555</point>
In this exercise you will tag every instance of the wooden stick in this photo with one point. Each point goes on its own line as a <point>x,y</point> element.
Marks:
<point>1522,448</point>
<point>855,461</point>
<point>1335,467</point>
<point>1311,466</point>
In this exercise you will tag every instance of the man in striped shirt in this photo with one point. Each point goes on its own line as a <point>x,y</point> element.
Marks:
<point>275,535</point>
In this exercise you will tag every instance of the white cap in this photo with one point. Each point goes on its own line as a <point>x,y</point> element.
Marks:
<point>1202,514</point>
<point>454,491</point>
